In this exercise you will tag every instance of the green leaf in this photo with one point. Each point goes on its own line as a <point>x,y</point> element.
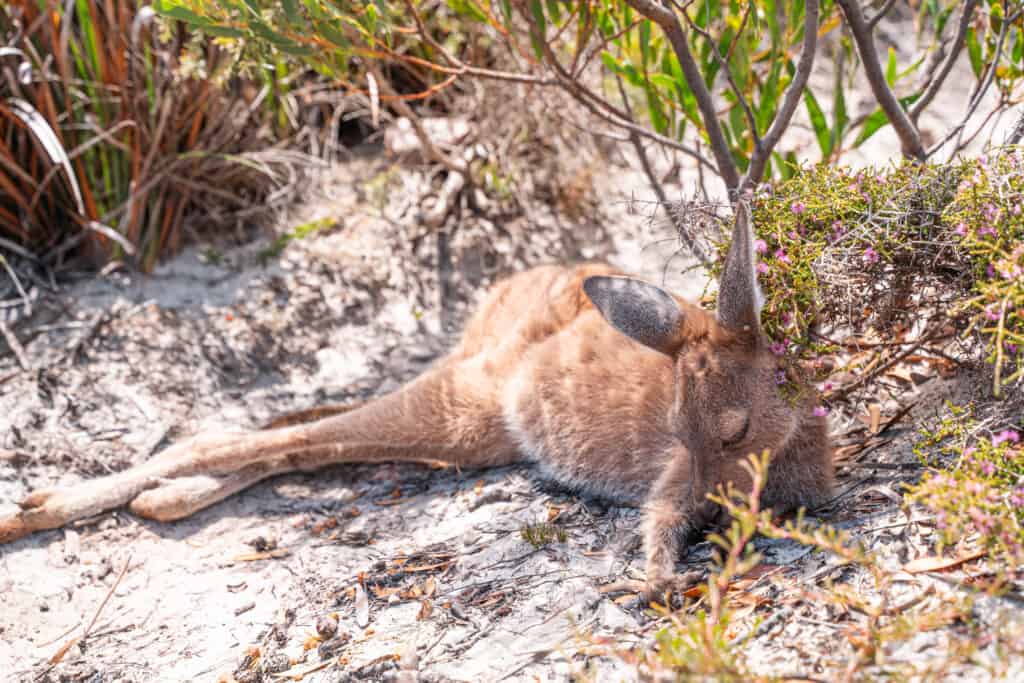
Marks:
<point>554,11</point>
<point>769,97</point>
<point>890,69</point>
<point>872,124</point>
<point>974,52</point>
<point>178,12</point>
<point>840,117</point>
<point>878,120</point>
<point>657,114</point>
<point>537,35</point>
<point>645,42</point>
<point>291,11</point>
<point>818,122</point>
<point>467,8</point>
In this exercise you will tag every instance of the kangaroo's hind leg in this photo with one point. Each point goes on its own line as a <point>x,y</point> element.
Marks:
<point>450,414</point>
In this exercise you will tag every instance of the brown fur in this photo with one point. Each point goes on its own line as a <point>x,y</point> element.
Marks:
<point>541,376</point>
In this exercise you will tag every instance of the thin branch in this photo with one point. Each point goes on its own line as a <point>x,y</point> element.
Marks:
<point>795,91</point>
<point>608,112</point>
<point>669,23</point>
<point>724,66</point>
<point>429,148</point>
<point>458,67</point>
<point>979,94</point>
<point>645,163</point>
<point>882,11</point>
<point>863,36</point>
<point>947,66</point>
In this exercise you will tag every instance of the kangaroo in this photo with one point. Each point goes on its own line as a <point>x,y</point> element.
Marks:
<point>608,384</point>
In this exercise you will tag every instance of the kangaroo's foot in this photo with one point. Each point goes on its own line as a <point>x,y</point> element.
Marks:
<point>175,483</point>
<point>657,588</point>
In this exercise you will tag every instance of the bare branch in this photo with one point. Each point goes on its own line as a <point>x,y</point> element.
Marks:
<point>947,66</point>
<point>604,109</point>
<point>724,66</point>
<point>882,11</point>
<point>982,89</point>
<point>689,240</point>
<point>863,36</point>
<point>795,91</point>
<point>669,23</point>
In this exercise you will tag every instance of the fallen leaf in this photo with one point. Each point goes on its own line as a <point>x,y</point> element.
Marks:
<point>934,563</point>
<point>875,411</point>
<point>429,587</point>
<point>426,609</point>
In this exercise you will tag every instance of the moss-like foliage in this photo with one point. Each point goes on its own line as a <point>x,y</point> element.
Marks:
<point>976,489</point>
<point>988,218</point>
<point>887,252</point>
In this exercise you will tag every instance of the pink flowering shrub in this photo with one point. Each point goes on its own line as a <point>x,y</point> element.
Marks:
<point>874,251</point>
<point>986,213</point>
<point>975,485</point>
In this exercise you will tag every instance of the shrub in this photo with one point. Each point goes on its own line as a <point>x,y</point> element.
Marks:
<point>108,142</point>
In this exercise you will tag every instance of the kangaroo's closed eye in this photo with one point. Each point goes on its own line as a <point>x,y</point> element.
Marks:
<point>733,425</point>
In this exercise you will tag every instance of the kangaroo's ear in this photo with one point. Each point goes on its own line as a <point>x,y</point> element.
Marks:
<point>739,297</point>
<point>639,310</point>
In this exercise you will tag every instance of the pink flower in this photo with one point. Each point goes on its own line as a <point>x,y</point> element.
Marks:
<point>960,229</point>
<point>990,271</point>
<point>1004,436</point>
<point>986,230</point>
<point>761,246</point>
<point>1017,497</point>
<point>780,377</point>
<point>762,267</point>
<point>781,256</point>
<point>820,411</point>
<point>987,468</point>
<point>778,348</point>
<point>991,314</point>
<point>798,207</point>
<point>870,255</point>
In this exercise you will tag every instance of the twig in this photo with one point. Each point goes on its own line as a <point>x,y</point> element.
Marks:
<point>882,11</point>
<point>16,347</point>
<point>645,163</point>
<point>979,94</point>
<point>59,655</point>
<point>724,66</point>
<point>947,66</point>
<point>868,376</point>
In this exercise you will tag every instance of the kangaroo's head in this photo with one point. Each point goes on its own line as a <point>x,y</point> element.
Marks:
<point>729,402</point>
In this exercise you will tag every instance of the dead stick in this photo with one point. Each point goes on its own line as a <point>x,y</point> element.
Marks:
<point>99,610</point>
<point>16,347</point>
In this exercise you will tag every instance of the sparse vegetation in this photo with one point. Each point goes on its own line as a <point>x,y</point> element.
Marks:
<point>543,534</point>
<point>113,136</point>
